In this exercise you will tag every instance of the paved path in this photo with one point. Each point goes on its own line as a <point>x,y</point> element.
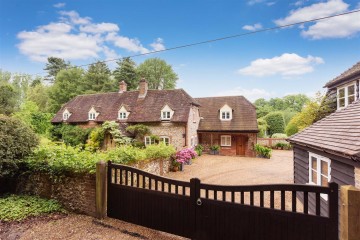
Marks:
<point>239,170</point>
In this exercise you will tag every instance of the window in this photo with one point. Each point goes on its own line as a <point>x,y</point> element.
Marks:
<point>165,140</point>
<point>226,140</point>
<point>122,115</point>
<point>66,116</point>
<point>92,116</point>
<point>149,140</point>
<point>345,96</point>
<point>319,171</point>
<point>225,115</point>
<point>165,115</point>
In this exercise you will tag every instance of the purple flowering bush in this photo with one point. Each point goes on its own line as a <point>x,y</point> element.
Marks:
<point>185,155</point>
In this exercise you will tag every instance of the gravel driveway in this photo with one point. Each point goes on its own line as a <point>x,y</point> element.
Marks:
<point>208,168</point>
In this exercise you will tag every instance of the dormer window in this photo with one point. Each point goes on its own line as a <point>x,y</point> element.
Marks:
<point>66,115</point>
<point>225,113</point>
<point>92,114</point>
<point>345,95</point>
<point>123,113</point>
<point>166,113</point>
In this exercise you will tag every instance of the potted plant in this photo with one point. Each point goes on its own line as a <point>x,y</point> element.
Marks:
<point>184,156</point>
<point>199,149</point>
<point>214,149</point>
<point>262,151</point>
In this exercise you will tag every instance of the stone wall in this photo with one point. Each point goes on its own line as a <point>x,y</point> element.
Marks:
<point>76,192</point>
<point>252,140</point>
<point>357,177</point>
<point>175,131</point>
<point>192,126</point>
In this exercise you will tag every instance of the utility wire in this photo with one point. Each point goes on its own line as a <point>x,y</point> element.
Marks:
<point>220,39</point>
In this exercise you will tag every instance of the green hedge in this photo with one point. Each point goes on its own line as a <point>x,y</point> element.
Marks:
<point>59,159</point>
<point>262,151</point>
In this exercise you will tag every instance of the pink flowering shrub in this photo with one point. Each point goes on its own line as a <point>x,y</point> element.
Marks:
<point>185,155</point>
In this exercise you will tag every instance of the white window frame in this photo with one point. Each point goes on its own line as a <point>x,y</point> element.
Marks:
<point>165,139</point>
<point>148,140</point>
<point>122,115</point>
<point>92,115</point>
<point>66,116</point>
<point>165,115</point>
<point>346,95</point>
<point>319,158</point>
<point>225,115</point>
<point>224,140</point>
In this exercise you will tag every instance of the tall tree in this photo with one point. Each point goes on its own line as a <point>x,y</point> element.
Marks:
<point>296,101</point>
<point>98,78</point>
<point>126,71</point>
<point>39,94</point>
<point>69,83</point>
<point>53,66</point>
<point>158,73</point>
<point>8,99</point>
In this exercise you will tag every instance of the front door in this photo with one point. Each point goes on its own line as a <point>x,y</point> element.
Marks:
<point>240,145</point>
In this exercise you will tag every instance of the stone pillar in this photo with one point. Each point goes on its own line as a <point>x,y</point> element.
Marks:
<point>349,213</point>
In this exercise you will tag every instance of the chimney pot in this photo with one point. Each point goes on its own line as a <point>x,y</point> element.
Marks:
<point>122,87</point>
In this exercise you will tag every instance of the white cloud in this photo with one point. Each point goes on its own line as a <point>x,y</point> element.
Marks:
<point>132,45</point>
<point>316,10</point>
<point>158,45</point>
<point>59,5</point>
<point>250,94</point>
<point>254,27</point>
<point>100,28</point>
<point>286,65</point>
<point>78,38</point>
<point>252,2</point>
<point>337,27</point>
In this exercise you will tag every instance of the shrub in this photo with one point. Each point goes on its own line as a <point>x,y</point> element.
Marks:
<point>139,131</point>
<point>262,151</point>
<point>16,142</point>
<point>70,135</point>
<point>185,155</point>
<point>199,149</point>
<point>215,148</point>
<point>17,208</point>
<point>125,155</point>
<point>159,151</point>
<point>275,121</point>
<point>279,135</point>
<point>113,128</point>
<point>96,139</point>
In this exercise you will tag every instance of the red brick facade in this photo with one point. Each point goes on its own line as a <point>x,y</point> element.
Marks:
<point>242,144</point>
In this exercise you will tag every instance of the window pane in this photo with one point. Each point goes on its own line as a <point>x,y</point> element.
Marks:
<point>342,102</point>
<point>351,99</point>
<point>227,115</point>
<point>314,163</point>
<point>324,181</point>
<point>351,90</point>
<point>223,115</point>
<point>342,93</point>
<point>314,176</point>
<point>324,168</point>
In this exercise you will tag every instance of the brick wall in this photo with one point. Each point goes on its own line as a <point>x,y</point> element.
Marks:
<point>357,177</point>
<point>75,192</point>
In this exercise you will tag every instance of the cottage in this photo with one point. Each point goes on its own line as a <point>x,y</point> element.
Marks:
<point>173,115</point>
<point>329,150</point>
<point>229,122</point>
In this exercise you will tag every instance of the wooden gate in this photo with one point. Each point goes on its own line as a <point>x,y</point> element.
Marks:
<point>204,211</point>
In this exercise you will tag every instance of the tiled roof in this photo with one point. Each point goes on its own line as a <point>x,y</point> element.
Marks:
<point>244,114</point>
<point>147,109</point>
<point>338,132</point>
<point>354,70</point>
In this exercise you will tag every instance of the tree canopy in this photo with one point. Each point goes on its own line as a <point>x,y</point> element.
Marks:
<point>53,67</point>
<point>158,73</point>
<point>126,71</point>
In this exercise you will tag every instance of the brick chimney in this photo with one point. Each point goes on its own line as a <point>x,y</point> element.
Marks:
<point>122,87</point>
<point>143,87</point>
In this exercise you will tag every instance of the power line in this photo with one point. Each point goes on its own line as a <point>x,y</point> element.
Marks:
<point>220,39</point>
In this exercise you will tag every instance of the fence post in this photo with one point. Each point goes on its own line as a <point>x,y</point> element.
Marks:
<point>101,189</point>
<point>349,213</point>
<point>334,210</point>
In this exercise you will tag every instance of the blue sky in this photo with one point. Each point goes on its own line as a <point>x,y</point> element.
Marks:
<point>299,59</point>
